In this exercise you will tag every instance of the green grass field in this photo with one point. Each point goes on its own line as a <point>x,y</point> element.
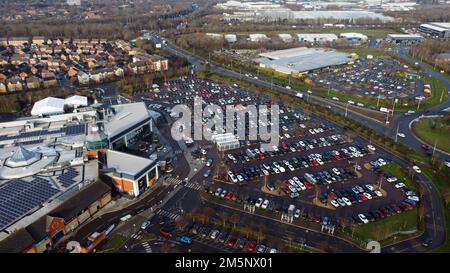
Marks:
<point>434,130</point>
<point>113,244</point>
<point>388,227</point>
<point>397,171</point>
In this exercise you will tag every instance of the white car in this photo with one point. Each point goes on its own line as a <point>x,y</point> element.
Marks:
<point>346,201</point>
<point>378,193</point>
<point>363,218</point>
<point>292,188</point>
<point>259,202</point>
<point>391,179</point>
<point>291,168</point>
<point>297,213</point>
<point>370,187</point>
<point>334,203</point>
<point>367,195</point>
<point>400,185</point>
<point>416,169</point>
<point>413,198</point>
<point>265,204</point>
<point>301,185</point>
<point>401,135</point>
<point>266,173</point>
<point>381,162</point>
<point>273,250</point>
<point>336,171</point>
<point>341,202</point>
<point>240,178</point>
<point>145,224</point>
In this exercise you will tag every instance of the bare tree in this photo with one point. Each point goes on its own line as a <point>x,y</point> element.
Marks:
<point>234,219</point>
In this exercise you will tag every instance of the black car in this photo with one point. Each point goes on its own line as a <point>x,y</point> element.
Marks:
<point>223,237</point>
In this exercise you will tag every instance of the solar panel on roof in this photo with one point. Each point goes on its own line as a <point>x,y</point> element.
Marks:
<point>18,197</point>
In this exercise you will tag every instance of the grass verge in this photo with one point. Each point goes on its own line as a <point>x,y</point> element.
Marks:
<point>113,244</point>
<point>434,130</point>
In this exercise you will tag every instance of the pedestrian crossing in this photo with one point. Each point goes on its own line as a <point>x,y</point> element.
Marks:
<point>147,247</point>
<point>174,181</point>
<point>136,236</point>
<point>193,186</point>
<point>168,214</point>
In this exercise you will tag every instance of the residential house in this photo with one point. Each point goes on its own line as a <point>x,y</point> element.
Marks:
<point>38,40</point>
<point>14,84</point>
<point>83,78</point>
<point>73,72</point>
<point>3,87</point>
<point>33,82</point>
<point>18,41</point>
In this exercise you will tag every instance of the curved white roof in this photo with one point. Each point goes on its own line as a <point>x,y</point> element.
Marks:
<point>76,101</point>
<point>48,106</point>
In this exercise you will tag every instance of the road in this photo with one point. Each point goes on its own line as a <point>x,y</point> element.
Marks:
<point>434,220</point>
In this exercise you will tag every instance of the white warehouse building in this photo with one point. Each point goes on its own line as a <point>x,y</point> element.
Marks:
<point>257,37</point>
<point>316,37</point>
<point>230,38</point>
<point>76,101</point>
<point>287,38</point>
<point>354,37</point>
<point>48,106</point>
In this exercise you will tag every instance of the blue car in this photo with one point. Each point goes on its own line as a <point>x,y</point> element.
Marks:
<point>186,240</point>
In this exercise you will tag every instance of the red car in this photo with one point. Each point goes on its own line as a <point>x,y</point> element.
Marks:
<point>229,195</point>
<point>252,246</point>
<point>232,242</point>
<point>407,206</point>
<point>261,156</point>
<point>283,145</point>
<point>425,147</point>
<point>363,197</point>
<point>165,232</point>
<point>396,208</point>
<point>308,185</point>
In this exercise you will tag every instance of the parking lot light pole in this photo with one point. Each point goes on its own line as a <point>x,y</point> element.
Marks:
<point>418,105</point>
<point>396,133</point>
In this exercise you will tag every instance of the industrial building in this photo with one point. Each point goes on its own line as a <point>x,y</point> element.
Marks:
<point>257,37</point>
<point>48,106</point>
<point>404,38</point>
<point>438,30</point>
<point>296,61</point>
<point>55,106</point>
<point>230,38</point>
<point>131,175</point>
<point>353,37</point>
<point>316,37</point>
<point>214,35</point>
<point>287,38</point>
<point>76,101</point>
